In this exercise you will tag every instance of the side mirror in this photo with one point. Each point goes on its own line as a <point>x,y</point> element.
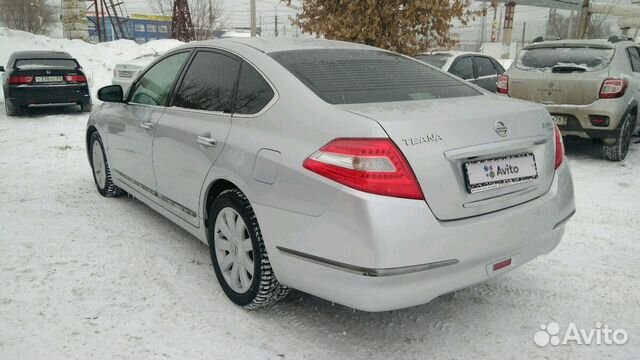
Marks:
<point>111,93</point>
<point>1,68</point>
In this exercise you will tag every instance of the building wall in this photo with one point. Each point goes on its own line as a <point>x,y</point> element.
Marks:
<point>141,30</point>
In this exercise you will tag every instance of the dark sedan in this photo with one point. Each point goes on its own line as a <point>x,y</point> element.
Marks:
<point>41,79</point>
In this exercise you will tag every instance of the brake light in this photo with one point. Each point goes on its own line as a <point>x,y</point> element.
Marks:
<point>502,85</point>
<point>76,78</point>
<point>373,165</point>
<point>20,79</point>
<point>559,148</point>
<point>613,88</point>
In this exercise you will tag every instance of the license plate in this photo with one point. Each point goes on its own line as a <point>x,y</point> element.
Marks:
<point>44,79</point>
<point>125,74</point>
<point>559,119</point>
<point>496,173</point>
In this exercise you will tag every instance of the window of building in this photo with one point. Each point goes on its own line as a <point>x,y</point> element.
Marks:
<point>139,27</point>
<point>163,29</point>
<point>151,28</point>
<point>141,40</point>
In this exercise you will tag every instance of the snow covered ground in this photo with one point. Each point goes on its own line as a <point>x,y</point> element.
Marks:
<point>86,277</point>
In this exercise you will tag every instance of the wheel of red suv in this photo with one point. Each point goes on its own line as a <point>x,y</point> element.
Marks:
<point>238,253</point>
<point>100,167</point>
<point>618,151</point>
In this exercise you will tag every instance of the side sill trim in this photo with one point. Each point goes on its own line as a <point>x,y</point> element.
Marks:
<point>561,222</point>
<point>368,271</point>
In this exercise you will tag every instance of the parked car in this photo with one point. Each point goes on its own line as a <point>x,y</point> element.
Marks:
<point>125,73</point>
<point>590,87</point>
<point>345,171</point>
<point>42,79</point>
<point>482,70</point>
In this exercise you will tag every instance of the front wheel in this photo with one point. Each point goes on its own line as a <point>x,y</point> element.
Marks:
<point>618,150</point>
<point>238,253</point>
<point>100,167</point>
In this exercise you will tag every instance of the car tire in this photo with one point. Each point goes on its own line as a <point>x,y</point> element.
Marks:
<point>100,168</point>
<point>241,248</point>
<point>86,108</point>
<point>12,110</point>
<point>618,150</point>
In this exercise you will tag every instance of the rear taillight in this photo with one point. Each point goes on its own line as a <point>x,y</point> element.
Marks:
<point>502,85</point>
<point>20,79</point>
<point>371,165</point>
<point>76,78</point>
<point>559,148</point>
<point>613,88</point>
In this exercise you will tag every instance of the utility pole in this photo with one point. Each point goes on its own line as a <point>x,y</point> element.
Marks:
<point>253,17</point>
<point>181,23</point>
<point>484,20</point>
<point>572,25</point>
<point>275,28</point>
<point>585,18</point>
<point>494,25</point>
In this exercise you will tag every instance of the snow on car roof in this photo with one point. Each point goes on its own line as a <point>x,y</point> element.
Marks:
<point>42,55</point>
<point>284,44</point>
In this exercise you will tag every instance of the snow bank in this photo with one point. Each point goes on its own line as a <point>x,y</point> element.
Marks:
<point>97,60</point>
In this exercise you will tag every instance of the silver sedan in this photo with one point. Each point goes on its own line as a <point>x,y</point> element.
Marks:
<point>345,171</point>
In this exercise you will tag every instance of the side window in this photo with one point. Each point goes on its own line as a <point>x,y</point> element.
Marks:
<point>463,68</point>
<point>634,58</point>
<point>484,66</point>
<point>498,67</point>
<point>253,93</point>
<point>154,86</point>
<point>208,83</point>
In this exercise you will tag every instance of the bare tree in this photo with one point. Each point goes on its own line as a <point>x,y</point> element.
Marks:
<point>207,15</point>
<point>34,16</point>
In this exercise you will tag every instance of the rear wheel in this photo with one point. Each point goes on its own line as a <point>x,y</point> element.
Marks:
<point>101,170</point>
<point>86,108</point>
<point>238,253</point>
<point>618,150</point>
<point>11,109</point>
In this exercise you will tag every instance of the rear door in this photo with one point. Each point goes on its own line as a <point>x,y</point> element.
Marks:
<point>192,133</point>
<point>486,73</point>
<point>462,67</point>
<point>131,126</point>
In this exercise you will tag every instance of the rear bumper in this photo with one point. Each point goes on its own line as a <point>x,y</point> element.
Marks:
<point>25,95</point>
<point>579,123</point>
<point>418,256</point>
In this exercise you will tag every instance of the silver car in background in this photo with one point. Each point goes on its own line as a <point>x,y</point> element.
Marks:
<point>345,171</point>
<point>125,73</point>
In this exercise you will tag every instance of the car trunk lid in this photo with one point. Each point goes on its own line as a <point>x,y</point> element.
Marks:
<point>438,137</point>
<point>551,88</point>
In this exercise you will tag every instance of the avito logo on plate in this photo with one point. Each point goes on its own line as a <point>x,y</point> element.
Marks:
<point>601,334</point>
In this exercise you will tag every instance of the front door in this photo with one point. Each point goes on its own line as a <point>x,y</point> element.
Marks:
<point>132,126</point>
<point>192,132</point>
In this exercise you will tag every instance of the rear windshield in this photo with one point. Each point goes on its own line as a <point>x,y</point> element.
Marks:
<point>437,60</point>
<point>346,76</point>
<point>40,63</point>
<point>561,59</point>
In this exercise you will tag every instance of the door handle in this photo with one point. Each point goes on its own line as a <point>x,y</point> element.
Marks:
<point>207,141</point>
<point>146,125</point>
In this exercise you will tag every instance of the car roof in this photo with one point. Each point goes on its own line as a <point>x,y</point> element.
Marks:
<point>451,52</point>
<point>283,44</point>
<point>41,55</point>
<point>604,43</point>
